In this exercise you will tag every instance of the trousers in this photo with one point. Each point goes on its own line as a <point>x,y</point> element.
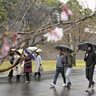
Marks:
<point>58,71</point>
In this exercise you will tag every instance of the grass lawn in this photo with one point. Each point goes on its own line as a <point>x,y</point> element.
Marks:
<point>48,65</point>
<point>4,65</point>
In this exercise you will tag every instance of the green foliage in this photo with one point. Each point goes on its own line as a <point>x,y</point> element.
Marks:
<point>3,12</point>
<point>50,2</point>
<point>48,65</point>
<point>5,7</point>
<point>77,9</point>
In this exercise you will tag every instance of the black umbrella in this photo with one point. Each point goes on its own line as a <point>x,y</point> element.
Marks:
<point>64,48</point>
<point>84,46</point>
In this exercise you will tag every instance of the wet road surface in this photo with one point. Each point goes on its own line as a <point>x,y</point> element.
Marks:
<point>42,87</point>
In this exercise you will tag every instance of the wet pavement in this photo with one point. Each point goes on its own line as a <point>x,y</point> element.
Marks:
<point>42,87</point>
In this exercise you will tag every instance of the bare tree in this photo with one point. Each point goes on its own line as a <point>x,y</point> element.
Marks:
<point>33,19</point>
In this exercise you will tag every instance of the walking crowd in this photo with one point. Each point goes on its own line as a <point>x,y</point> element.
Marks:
<point>25,67</point>
<point>64,64</point>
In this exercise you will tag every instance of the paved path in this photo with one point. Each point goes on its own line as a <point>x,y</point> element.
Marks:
<point>42,87</point>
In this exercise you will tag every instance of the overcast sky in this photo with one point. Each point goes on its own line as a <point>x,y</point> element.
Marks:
<point>91,4</point>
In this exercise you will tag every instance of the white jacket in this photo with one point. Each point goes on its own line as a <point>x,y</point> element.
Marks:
<point>37,62</point>
<point>17,69</point>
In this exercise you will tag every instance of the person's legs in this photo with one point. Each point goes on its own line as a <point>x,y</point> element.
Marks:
<point>67,73</point>
<point>10,75</point>
<point>35,74</point>
<point>87,77</point>
<point>87,73</point>
<point>27,76</point>
<point>56,75</point>
<point>63,75</point>
<point>91,73</point>
<point>39,75</point>
<point>17,78</point>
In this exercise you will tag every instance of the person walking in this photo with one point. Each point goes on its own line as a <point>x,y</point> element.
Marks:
<point>18,54</point>
<point>61,60</point>
<point>90,59</point>
<point>68,68</point>
<point>27,63</point>
<point>38,64</point>
<point>14,57</point>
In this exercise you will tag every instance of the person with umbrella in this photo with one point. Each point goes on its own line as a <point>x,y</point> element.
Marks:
<point>61,60</point>
<point>68,67</point>
<point>27,63</point>
<point>69,62</point>
<point>90,59</point>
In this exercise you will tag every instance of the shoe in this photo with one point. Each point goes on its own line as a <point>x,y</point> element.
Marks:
<point>64,85</point>
<point>52,85</point>
<point>88,89</point>
<point>93,84</point>
<point>27,81</point>
<point>69,84</point>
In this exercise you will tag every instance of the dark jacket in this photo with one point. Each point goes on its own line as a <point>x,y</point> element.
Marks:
<point>70,61</point>
<point>90,59</point>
